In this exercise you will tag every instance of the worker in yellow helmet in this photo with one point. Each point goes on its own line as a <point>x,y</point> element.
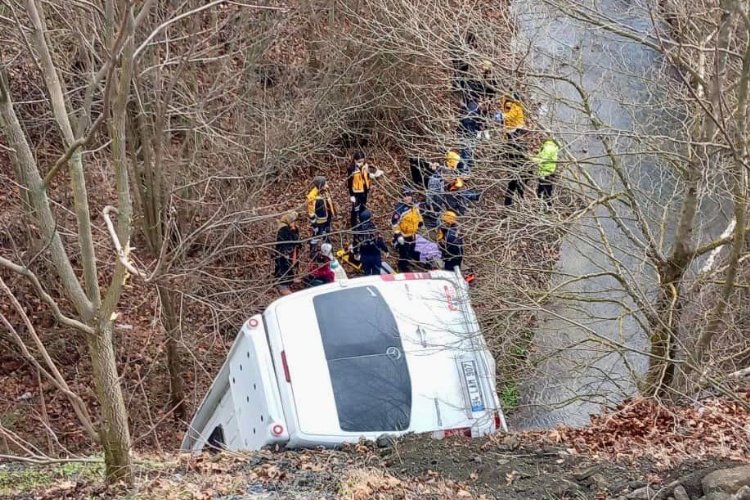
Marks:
<point>455,188</point>
<point>450,241</point>
<point>406,221</point>
<point>436,186</point>
<point>452,160</point>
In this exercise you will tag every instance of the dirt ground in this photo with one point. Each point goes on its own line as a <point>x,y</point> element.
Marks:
<point>518,467</point>
<point>512,471</point>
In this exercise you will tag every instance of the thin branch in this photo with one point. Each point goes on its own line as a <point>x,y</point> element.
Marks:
<point>47,298</point>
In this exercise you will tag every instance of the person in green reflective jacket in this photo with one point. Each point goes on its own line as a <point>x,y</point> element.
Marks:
<point>546,165</point>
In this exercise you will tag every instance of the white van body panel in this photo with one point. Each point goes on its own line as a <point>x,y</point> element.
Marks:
<point>244,397</point>
<point>450,370</point>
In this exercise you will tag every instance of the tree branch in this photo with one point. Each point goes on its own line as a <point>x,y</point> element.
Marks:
<point>40,201</point>
<point>47,298</point>
<point>55,376</point>
<point>78,180</point>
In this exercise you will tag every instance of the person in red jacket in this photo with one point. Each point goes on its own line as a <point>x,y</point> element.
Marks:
<point>319,270</point>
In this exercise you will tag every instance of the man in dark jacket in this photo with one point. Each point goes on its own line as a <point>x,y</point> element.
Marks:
<point>286,251</point>
<point>450,241</point>
<point>516,159</point>
<point>369,244</point>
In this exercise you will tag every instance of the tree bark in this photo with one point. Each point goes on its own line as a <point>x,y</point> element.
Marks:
<point>40,202</point>
<point>77,178</point>
<point>114,433</point>
<point>174,364</point>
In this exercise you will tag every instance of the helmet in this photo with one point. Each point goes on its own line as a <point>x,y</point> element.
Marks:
<point>456,184</point>
<point>485,65</point>
<point>325,249</point>
<point>407,191</point>
<point>359,155</point>
<point>365,215</point>
<point>449,217</point>
<point>319,181</point>
<point>452,159</point>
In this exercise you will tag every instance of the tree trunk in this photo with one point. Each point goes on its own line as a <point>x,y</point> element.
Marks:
<point>114,429</point>
<point>174,365</point>
<point>663,339</point>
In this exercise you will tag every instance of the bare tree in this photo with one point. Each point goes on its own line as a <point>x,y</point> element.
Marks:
<point>95,310</point>
<point>654,117</point>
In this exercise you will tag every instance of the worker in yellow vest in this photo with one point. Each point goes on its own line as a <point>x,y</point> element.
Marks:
<point>320,211</point>
<point>406,222</point>
<point>546,166</point>
<point>513,115</point>
<point>358,182</point>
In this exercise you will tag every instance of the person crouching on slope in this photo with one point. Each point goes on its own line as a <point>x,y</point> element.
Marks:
<point>319,270</point>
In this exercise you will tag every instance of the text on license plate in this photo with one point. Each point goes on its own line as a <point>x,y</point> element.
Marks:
<point>472,383</point>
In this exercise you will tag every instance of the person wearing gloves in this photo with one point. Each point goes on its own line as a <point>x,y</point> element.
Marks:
<point>320,211</point>
<point>546,165</point>
<point>406,222</point>
<point>450,241</point>
<point>369,244</point>
<point>286,251</point>
<point>358,182</point>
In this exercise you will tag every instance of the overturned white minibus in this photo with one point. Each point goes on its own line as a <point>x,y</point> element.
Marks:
<point>388,354</point>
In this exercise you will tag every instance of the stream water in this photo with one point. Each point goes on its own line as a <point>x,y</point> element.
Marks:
<point>589,349</point>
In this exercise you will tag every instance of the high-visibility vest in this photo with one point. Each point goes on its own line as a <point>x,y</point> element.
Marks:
<point>546,158</point>
<point>513,117</point>
<point>407,220</point>
<point>361,179</point>
<point>319,206</point>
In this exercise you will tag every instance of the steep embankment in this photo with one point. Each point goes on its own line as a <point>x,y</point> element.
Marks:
<point>640,451</point>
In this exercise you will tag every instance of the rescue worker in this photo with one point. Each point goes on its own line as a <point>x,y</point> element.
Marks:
<point>368,244</point>
<point>512,114</point>
<point>546,165</point>
<point>436,200</point>
<point>286,249</point>
<point>450,241</point>
<point>515,157</point>
<point>470,129</point>
<point>454,195</point>
<point>320,211</point>
<point>358,181</point>
<point>421,170</point>
<point>405,222</point>
<point>452,160</point>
